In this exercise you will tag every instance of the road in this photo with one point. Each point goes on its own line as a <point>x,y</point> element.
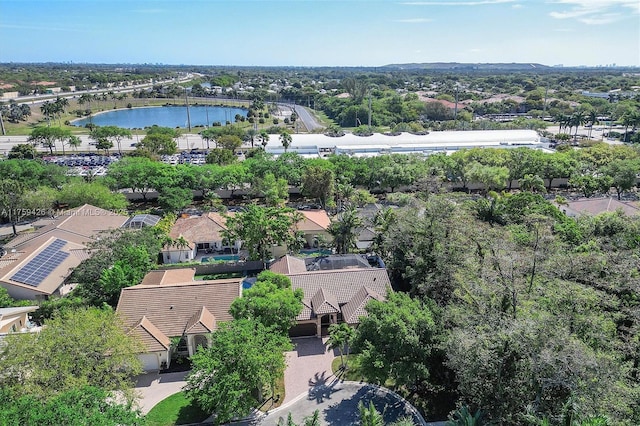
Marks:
<point>36,99</point>
<point>309,120</point>
<point>185,142</point>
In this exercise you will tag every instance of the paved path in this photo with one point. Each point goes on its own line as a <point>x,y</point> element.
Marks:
<point>338,402</point>
<point>308,364</point>
<point>154,387</point>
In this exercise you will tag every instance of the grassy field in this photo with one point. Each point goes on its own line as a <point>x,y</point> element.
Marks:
<point>352,372</point>
<point>175,410</point>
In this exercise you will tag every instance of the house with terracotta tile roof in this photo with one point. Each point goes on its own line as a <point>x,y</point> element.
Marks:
<point>314,226</point>
<point>203,233</point>
<point>35,264</point>
<point>171,304</point>
<point>594,206</point>
<point>334,296</point>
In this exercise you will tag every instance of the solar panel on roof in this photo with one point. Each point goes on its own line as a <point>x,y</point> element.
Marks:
<point>38,268</point>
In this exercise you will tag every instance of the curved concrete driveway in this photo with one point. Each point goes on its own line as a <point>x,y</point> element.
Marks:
<point>154,387</point>
<point>338,402</point>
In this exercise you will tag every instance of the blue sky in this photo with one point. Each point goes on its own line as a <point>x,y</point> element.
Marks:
<point>321,32</point>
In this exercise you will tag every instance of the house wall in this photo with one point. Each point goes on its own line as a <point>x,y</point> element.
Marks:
<point>177,256</point>
<point>20,293</point>
<point>152,361</point>
<point>16,324</point>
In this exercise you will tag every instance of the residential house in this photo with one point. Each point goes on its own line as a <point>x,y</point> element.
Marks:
<point>594,206</point>
<point>15,320</point>
<point>314,225</point>
<point>34,265</point>
<point>332,295</point>
<point>204,233</point>
<point>170,304</point>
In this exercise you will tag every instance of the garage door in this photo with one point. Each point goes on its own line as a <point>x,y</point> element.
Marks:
<point>302,330</point>
<point>150,362</point>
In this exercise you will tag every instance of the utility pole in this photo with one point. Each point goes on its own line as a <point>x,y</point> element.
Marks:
<point>186,101</point>
<point>369,110</point>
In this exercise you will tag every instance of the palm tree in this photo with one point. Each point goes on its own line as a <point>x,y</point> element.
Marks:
<point>344,230</point>
<point>462,416</point>
<point>285,139</point>
<point>251,135</point>
<point>532,183</point>
<point>593,119</point>
<point>340,337</point>
<point>369,416</point>
<point>264,139</point>
<point>48,109</point>
<point>577,119</point>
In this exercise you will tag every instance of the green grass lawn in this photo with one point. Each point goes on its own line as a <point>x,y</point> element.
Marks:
<point>353,368</point>
<point>175,410</point>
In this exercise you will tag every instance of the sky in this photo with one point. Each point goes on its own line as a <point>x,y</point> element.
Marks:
<point>321,32</point>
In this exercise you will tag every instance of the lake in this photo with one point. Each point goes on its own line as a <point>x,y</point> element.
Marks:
<point>166,116</point>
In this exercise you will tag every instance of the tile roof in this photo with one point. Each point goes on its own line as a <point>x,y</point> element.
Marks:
<point>169,276</point>
<point>76,227</point>
<point>55,278</point>
<point>196,229</point>
<point>342,283</point>
<point>355,308</point>
<point>594,206</point>
<point>324,302</point>
<point>307,311</point>
<point>172,307</point>
<point>202,321</point>
<point>288,265</point>
<point>314,220</point>
<point>346,290</point>
<point>152,339</point>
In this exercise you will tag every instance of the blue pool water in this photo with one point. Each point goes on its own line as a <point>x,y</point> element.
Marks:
<point>227,257</point>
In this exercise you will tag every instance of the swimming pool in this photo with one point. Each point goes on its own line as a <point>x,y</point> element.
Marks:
<point>225,257</point>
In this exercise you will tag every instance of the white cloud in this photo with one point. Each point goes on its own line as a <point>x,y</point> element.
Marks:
<point>595,12</point>
<point>414,20</point>
<point>457,3</point>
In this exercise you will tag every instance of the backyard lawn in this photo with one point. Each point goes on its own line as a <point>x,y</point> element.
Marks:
<point>175,410</point>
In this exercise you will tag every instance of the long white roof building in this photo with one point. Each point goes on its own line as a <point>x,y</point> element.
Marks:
<point>313,145</point>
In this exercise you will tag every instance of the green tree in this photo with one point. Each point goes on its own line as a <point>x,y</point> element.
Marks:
<point>158,144</point>
<point>174,199</point>
<point>122,246</point>
<point>318,183</point>
<point>369,416</point>
<point>396,341</point>
<point>623,174</point>
<point>86,405</point>
<point>340,337</point>
<point>11,196</point>
<point>260,228</point>
<point>229,377</point>
<point>138,174</point>
<point>345,231</point>
<point>78,193</point>
<point>270,301</point>
<point>85,347</point>
<point>111,134</point>
<point>22,151</point>
<point>48,136</point>
<point>285,139</point>
<point>220,157</point>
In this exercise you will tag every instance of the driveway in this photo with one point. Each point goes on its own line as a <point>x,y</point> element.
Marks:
<point>154,387</point>
<point>308,365</point>
<point>338,402</point>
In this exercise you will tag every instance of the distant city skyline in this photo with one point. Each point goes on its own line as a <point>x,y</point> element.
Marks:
<point>311,33</point>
